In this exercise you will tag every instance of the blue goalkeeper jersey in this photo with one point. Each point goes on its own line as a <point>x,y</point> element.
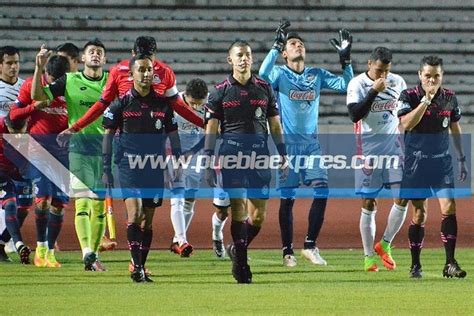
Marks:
<point>298,94</point>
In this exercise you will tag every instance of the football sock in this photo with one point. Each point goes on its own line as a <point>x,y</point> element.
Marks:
<point>22,213</point>
<point>177,220</point>
<point>252,231</point>
<point>395,221</point>
<point>11,221</point>
<point>188,212</point>
<point>134,237</point>
<point>416,234</point>
<point>82,222</point>
<point>285,215</point>
<point>55,223</point>
<point>449,231</point>
<point>217,227</point>
<point>41,220</point>
<point>238,231</point>
<point>146,244</point>
<point>367,230</point>
<point>98,224</point>
<point>315,221</point>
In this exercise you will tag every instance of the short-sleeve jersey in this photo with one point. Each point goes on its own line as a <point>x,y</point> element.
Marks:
<point>143,122</point>
<point>8,94</point>
<point>431,134</point>
<point>120,81</point>
<point>81,92</point>
<point>298,94</point>
<point>242,109</point>
<point>381,119</point>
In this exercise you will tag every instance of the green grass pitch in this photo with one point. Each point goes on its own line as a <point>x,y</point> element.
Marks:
<point>203,284</point>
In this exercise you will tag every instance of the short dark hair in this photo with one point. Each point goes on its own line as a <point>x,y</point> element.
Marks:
<point>57,66</point>
<point>238,43</point>
<point>94,42</point>
<point>138,57</point>
<point>291,35</point>
<point>196,88</point>
<point>69,49</point>
<point>15,124</point>
<point>432,61</point>
<point>8,50</point>
<point>145,45</point>
<point>381,53</point>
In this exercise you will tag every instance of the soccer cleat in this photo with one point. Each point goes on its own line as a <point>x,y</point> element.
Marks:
<point>99,266</point>
<point>40,256</point>
<point>107,244</point>
<point>241,273</point>
<point>131,268</point>
<point>416,272</point>
<point>384,250</point>
<point>230,251</point>
<point>24,253</point>
<point>174,247</point>
<point>453,270</point>
<point>138,275</point>
<point>313,256</point>
<point>218,247</point>
<point>185,250</point>
<point>3,255</point>
<point>10,247</point>
<point>370,264</point>
<point>89,260</point>
<point>51,261</point>
<point>289,261</point>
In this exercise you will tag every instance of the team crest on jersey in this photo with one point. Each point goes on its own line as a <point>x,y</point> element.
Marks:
<point>158,124</point>
<point>108,114</point>
<point>310,77</point>
<point>445,122</point>
<point>2,193</point>
<point>156,79</point>
<point>298,95</point>
<point>258,112</point>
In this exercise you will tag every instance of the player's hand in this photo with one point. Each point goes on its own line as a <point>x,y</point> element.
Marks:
<point>379,84</point>
<point>280,37</point>
<point>343,47</point>
<point>284,168</point>
<point>210,176</point>
<point>462,171</point>
<point>108,178</point>
<point>64,137</point>
<point>42,57</point>
<point>430,92</point>
<point>39,105</point>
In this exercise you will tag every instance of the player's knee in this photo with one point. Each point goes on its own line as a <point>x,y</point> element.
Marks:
<point>43,203</point>
<point>419,212</point>
<point>448,207</point>
<point>258,218</point>
<point>222,212</point>
<point>369,204</point>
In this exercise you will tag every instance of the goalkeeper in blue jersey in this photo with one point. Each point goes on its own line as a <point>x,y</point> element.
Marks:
<point>298,88</point>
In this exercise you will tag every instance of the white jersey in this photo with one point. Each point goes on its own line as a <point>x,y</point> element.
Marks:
<point>189,133</point>
<point>382,120</point>
<point>8,94</point>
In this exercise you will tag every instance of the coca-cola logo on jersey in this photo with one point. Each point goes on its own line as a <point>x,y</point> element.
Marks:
<point>381,106</point>
<point>298,95</point>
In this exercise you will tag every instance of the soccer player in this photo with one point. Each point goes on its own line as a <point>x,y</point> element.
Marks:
<point>371,100</point>
<point>244,107</point>
<point>182,204</point>
<point>72,53</point>
<point>10,85</point>
<point>144,118</point>
<point>45,120</point>
<point>164,83</point>
<point>428,113</point>
<point>298,89</point>
<point>14,189</point>
<point>82,90</point>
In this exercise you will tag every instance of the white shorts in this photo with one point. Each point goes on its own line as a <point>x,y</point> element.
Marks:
<point>371,179</point>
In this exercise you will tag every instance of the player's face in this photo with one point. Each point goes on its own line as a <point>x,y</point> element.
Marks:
<point>240,57</point>
<point>378,69</point>
<point>294,50</point>
<point>193,102</point>
<point>431,77</point>
<point>10,68</point>
<point>142,73</point>
<point>93,56</point>
<point>73,63</point>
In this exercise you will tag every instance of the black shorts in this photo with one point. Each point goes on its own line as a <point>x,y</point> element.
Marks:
<point>425,176</point>
<point>245,182</point>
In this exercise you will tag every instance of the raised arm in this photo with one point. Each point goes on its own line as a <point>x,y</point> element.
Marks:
<point>37,92</point>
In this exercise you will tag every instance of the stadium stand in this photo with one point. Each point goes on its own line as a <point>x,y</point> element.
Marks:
<point>194,34</point>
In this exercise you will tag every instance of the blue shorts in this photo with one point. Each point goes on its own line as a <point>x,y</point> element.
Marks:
<point>21,190</point>
<point>305,165</point>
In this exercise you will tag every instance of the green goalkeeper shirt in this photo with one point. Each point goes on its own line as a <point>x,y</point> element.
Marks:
<point>81,92</point>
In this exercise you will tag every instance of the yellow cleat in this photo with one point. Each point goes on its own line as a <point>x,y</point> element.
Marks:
<point>51,261</point>
<point>40,256</point>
